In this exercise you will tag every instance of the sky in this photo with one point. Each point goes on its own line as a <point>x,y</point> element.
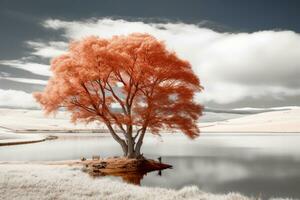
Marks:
<point>245,52</point>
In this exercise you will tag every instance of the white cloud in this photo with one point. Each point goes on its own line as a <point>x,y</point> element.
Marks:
<point>231,66</point>
<point>26,80</point>
<point>16,98</point>
<point>47,49</point>
<point>32,67</point>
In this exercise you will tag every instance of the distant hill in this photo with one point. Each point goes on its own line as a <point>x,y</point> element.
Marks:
<point>248,110</point>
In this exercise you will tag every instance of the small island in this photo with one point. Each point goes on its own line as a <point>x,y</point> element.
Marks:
<point>131,170</point>
<point>133,85</point>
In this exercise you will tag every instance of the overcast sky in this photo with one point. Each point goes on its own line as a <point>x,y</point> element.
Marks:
<point>246,52</point>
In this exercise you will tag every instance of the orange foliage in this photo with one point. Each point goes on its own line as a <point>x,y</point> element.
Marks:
<point>153,88</point>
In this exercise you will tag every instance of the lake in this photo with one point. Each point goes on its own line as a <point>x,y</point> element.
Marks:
<point>265,165</point>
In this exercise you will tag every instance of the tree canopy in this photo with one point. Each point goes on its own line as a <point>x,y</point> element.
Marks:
<point>132,82</point>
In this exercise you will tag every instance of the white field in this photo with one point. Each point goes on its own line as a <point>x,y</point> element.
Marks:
<point>34,120</point>
<point>21,119</point>
<point>37,181</point>
<point>30,122</point>
<point>14,121</point>
<point>281,121</point>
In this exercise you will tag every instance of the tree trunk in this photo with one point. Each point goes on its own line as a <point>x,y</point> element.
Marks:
<point>130,142</point>
<point>125,150</point>
<point>139,144</point>
<point>118,139</point>
<point>130,148</point>
<point>130,153</point>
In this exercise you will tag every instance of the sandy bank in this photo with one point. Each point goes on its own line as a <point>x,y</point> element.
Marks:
<point>9,138</point>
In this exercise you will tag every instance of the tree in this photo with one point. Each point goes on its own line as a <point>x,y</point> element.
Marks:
<point>130,82</point>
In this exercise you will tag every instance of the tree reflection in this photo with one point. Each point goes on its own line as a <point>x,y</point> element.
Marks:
<point>134,178</point>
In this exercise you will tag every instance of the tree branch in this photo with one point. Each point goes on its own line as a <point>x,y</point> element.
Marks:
<point>137,133</point>
<point>117,98</point>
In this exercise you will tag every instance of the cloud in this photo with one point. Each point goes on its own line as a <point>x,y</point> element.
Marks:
<point>25,80</point>
<point>232,66</point>
<point>47,49</point>
<point>35,68</point>
<point>17,99</point>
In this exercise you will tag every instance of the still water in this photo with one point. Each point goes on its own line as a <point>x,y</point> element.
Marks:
<point>266,165</point>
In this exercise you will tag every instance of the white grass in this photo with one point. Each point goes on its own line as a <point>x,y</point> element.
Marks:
<point>36,181</point>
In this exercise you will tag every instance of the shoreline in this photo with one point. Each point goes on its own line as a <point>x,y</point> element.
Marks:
<point>41,137</point>
<point>33,127</point>
<point>12,138</point>
<point>19,142</point>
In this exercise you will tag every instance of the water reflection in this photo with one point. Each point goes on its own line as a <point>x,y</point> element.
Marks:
<point>253,165</point>
<point>268,176</point>
<point>134,178</point>
<point>129,170</point>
